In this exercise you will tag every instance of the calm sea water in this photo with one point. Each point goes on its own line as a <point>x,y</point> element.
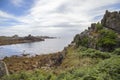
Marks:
<point>43,47</point>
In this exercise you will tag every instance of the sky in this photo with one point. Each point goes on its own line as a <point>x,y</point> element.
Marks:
<point>51,17</point>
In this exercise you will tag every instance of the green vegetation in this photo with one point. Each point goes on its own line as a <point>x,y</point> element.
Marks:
<point>99,38</point>
<point>76,40</point>
<point>107,39</point>
<point>95,54</point>
<point>84,41</point>
<point>80,64</point>
<point>105,70</point>
<point>117,51</point>
<point>35,75</point>
<point>99,26</point>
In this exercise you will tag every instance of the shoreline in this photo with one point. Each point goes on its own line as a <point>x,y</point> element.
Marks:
<point>19,43</point>
<point>4,40</point>
<point>26,62</point>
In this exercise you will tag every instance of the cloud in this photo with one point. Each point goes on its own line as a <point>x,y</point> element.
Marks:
<point>17,2</point>
<point>5,15</point>
<point>52,12</point>
<point>8,19</point>
<point>58,16</point>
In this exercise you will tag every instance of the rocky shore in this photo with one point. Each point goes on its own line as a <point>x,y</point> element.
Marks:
<point>25,63</point>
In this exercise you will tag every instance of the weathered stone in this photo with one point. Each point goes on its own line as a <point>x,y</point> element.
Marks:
<point>3,69</point>
<point>111,20</point>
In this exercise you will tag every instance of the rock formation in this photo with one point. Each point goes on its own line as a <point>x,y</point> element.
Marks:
<point>3,69</point>
<point>95,35</point>
<point>111,20</point>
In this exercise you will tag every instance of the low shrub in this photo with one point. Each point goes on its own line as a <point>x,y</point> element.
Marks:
<point>95,54</point>
<point>117,51</point>
<point>107,40</point>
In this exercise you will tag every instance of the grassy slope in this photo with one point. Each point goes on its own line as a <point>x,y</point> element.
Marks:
<point>79,64</point>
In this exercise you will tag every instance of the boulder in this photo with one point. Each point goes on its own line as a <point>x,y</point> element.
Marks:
<point>3,69</point>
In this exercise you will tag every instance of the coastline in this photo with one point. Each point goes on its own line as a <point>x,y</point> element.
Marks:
<point>4,40</point>
<point>16,63</point>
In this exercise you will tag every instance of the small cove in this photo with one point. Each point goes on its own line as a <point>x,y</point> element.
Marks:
<point>42,47</point>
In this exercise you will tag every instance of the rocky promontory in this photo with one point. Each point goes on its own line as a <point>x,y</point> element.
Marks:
<point>111,20</point>
<point>102,36</point>
<point>6,40</point>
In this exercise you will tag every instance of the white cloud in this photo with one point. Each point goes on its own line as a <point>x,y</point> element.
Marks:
<point>52,16</point>
<point>17,2</point>
<point>46,13</point>
<point>5,15</point>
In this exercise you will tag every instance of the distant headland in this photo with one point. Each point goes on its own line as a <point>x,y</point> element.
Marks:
<point>15,39</point>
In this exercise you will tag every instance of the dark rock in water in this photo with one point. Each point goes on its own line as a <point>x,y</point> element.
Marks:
<point>3,69</point>
<point>112,20</point>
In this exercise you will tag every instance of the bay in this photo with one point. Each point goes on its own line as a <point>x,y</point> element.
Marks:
<point>42,47</point>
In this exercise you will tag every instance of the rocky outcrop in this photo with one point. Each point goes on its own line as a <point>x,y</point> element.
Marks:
<point>111,20</point>
<point>104,36</point>
<point>31,38</point>
<point>3,69</point>
<point>88,37</point>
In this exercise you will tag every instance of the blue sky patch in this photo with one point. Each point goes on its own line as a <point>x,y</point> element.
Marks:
<point>9,7</point>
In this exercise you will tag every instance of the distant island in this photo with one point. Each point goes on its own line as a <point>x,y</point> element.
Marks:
<point>15,39</point>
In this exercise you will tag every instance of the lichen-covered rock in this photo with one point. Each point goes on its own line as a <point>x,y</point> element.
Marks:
<point>3,69</point>
<point>111,20</point>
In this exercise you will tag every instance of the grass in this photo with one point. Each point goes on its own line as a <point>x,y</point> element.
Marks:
<point>79,64</point>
